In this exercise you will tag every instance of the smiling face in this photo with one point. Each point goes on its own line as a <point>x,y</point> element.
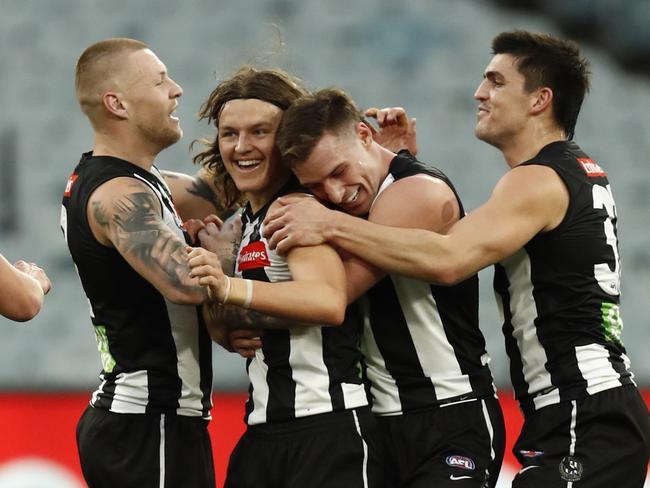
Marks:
<point>504,103</point>
<point>150,98</point>
<point>341,169</point>
<point>246,135</point>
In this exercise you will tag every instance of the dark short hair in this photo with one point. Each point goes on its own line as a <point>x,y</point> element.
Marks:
<point>269,85</point>
<point>328,111</point>
<point>547,61</point>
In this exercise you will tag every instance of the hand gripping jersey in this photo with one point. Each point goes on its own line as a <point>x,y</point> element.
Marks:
<point>421,343</point>
<point>304,370</point>
<point>156,355</point>
<point>559,295</point>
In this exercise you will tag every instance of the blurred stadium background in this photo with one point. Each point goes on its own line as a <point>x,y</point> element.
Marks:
<point>425,55</point>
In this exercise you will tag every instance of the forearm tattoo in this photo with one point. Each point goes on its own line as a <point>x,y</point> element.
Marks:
<point>236,317</point>
<point>136,226</point>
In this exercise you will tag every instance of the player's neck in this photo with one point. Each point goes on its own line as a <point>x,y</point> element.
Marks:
<point>527,144</point>
<point>124,148</point>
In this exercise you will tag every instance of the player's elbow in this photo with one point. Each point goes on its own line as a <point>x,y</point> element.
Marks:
<point>333,311</point>
<point>24,310</point>
<point>447,272</point>
<point>185,296</point>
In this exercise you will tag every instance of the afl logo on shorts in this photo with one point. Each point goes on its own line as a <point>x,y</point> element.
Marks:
<point>460,462</point>
<point>570,469</point>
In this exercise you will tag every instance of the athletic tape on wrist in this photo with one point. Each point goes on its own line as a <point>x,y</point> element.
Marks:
<point>249,294</point>
<point>227,294</point>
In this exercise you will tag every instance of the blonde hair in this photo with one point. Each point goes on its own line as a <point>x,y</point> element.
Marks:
<point>96,69</point>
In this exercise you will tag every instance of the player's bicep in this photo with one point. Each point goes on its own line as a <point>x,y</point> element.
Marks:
<point>129,215</point>
<point>317,264</point>
<point>524,202</point>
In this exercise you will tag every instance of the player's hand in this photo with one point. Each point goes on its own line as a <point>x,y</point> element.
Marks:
<point>298,221</point>
<point>396,130</point>
<point>245,341</point>
<point>205,266</point>
<point>35,272</point>
<point>222,239</point>
<point>192,227</point>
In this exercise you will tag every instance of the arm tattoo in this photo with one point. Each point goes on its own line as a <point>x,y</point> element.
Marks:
<point>134,222</point>
<point>202,189</point>
<point>236,317</point>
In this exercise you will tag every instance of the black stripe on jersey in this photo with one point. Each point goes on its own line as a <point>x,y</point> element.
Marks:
<point>340,355</point>
<point>396,346</point>
<point>276,347</point>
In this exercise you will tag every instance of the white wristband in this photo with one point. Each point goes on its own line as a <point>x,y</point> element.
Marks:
<point>226,295</point>
<point>249,294</point>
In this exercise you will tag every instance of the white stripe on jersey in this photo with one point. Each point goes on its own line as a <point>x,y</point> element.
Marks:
<point>129,389</point>
<point>524,312</point>
<point>185,331</point>
<point>307,365</point>
<point>382,384</point>
<point>257,370</point>
<point>435,354</point>
<point>593,362</point>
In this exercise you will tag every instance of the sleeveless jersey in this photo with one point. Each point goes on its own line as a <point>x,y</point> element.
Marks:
<point>156,355</point>
<point>559,295</point>
<point>303,370</point>
<point>421,343</point>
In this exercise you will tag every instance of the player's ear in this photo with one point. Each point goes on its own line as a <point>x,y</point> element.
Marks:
<point>541,100</point>
<point>364,132</point>
<point>115,105</point>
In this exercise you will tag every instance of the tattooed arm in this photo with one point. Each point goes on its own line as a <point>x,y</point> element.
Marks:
<point>125,214</point>
<point>195,197</point>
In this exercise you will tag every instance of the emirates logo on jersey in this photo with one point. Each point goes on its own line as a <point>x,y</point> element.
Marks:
<point>591,167</point>
<point>254,255</point>
<point>68,185</point>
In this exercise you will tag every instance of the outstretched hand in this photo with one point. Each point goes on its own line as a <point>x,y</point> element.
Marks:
<point>298,221</point>
<point>396,130</point>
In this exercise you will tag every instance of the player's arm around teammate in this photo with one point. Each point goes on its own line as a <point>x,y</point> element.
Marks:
<point>314,295</point>
<point>509,219</point>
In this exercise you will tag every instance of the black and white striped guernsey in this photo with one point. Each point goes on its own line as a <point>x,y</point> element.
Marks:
<point>559,295</point>
<point>421,343</point>
<point>304,370</point>
<point>156,355</point>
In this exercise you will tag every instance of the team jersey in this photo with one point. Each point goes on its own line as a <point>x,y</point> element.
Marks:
<point>156,355</point>
<point>421,342</point>
<point>302,370</point>
<point>559,295</point>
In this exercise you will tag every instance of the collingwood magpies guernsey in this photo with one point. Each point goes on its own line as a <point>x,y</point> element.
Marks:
<point>559,294</point>
<point>304,370</point>
<point>421,343</point>
<point>156,355</point>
